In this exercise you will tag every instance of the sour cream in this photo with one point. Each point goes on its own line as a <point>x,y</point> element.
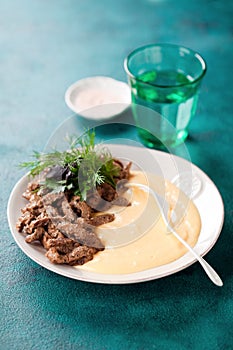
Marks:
<point>138,238</point>
<point>98,98</point>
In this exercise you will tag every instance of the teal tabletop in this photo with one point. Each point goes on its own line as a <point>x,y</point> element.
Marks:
<point>45,47</point>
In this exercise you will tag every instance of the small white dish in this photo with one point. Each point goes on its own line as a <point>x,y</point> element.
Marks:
<point>98,97</point>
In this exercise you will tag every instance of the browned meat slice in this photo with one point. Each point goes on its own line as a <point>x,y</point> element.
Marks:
<point>81,255</point>
<point>63,245</point>
<point>97,203</point>
<point>107,192</point>
<point>32,187</point>
<point>121,202</point>
<point>52,212</point>
<point>57,258</point>
<point>54,200</point>
<point>78,256</point>
<point>45,239</point>
<point>39,222</point>
<point>81,208</point>
<point>33,206</point>
<point>24,220</point>
<point>106,197</point>
<point>68,213</point>
<point>101,219</point>
<point>36,235</point>
<point>53,231</point>
<point>82,233</point>
<point>124,171</point>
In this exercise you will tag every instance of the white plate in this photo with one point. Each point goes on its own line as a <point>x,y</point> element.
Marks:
<point>207,200</point>
<point>98,97</point>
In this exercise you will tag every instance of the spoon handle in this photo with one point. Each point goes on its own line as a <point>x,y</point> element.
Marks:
<point>208,269</point>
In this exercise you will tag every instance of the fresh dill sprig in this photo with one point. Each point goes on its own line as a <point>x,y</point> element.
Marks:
<point>80,168</point>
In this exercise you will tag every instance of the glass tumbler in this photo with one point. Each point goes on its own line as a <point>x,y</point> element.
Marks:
<point>165,82</point>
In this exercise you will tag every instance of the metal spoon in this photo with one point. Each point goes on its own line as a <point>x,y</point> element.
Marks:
<point>163,205</point>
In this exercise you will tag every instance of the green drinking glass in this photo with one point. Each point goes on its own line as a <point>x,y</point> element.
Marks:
<point>165,82</point>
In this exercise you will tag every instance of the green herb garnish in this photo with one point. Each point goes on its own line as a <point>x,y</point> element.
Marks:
<point>79,169</point>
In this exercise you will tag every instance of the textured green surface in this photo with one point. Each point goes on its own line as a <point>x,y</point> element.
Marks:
<point>44,47</point>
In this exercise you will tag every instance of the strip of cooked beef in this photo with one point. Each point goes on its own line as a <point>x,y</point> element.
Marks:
<point>78,256</point>
<point>63,245</point>
<point>68,213</point>
<point>36,235</point>
<point>65,225</point>
<point>105,197</point>
<point>98,220</point>
<point>32,187</point>
<point>55,200</point>
<point>82,233</point>
<point>121,202</point>
<point>24,220</point>
<point>81,208</point>
<point>45,240</point>
<point>124,171</point>
<point>53,230</point>
<point>97,203</point>
<point>52,212</point>
<point>107,192</point>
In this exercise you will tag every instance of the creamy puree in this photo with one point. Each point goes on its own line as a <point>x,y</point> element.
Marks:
<point>138,239</point>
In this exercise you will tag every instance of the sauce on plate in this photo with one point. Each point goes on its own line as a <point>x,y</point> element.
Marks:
<point>138,238</point>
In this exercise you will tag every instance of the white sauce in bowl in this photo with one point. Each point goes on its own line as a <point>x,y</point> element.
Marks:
<point>98,97</point>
